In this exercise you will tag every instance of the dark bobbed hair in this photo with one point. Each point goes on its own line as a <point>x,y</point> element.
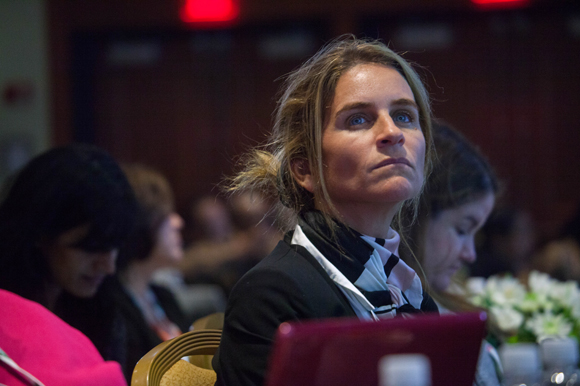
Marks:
<point>59,190</point>
<point>460,175</point>
<point>572,227</point>
<point>155,202</point>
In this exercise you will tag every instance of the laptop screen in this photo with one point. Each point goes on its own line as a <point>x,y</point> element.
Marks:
<point>347,351</point>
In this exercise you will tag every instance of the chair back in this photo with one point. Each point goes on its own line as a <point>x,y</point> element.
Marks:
<point>213,321</point>
<point>151,368</point>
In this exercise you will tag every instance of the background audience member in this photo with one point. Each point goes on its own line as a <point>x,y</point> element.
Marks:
<point>560,258</point>
<point>145,314</point>
<point>195,288</point>
<point>507,244</point>
<point>150,312</point>
<point>49,349</point>
<point>458,198</point>
<point>350,145</point>
<point>236,236</point>
<point>211,220</point>
<point>63,218</point>
<point>62,222</point>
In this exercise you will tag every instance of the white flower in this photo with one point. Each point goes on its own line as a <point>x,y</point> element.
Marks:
<point>533,303</point>
<point>540,283</point>
<point>545,308</point>
<point>475,286</point>
<point>505,291</point>
<point>546,325</point>
<point>575,311</point>
<point>507,319</point>
<point>566,294</point>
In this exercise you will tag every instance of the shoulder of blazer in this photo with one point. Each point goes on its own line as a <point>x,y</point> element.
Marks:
<point>296,261</point>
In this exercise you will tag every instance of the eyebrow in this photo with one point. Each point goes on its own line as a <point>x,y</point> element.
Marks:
<point>353,106</point>
<point>405,102</point>
<point>359,105</point>
<point>473,221</point>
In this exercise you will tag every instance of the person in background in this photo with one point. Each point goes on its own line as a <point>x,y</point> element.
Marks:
<point>458,198</point>
<point>211,220</point>
<point>236,236</point>
<point>63,218</point>
<point>62,222</point>
<point>507,244</point>
<point>560,258</point>
<point>44,348</point>
<point>350,146</point>
<point>149,313</point>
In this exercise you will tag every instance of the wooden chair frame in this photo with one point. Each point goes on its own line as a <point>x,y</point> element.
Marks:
<point>151,368</point>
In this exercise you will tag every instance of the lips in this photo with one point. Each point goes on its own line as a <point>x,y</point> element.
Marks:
<point>394,161</point>
<point>455,268</point>
<point>94,281</point>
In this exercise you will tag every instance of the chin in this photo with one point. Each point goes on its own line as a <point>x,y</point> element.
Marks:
<point>85,292</point>
<point>402,191</point>
<point>441,285</point>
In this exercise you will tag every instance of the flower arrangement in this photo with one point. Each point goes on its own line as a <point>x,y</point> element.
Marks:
<point>541,309</point>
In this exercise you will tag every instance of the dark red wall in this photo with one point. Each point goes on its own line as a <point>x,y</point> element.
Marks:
<point>508,79</point>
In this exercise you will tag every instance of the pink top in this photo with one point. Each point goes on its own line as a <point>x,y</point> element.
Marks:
<point>49,349</point>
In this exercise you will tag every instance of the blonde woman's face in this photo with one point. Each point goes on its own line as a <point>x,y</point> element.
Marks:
<point>373,148</point>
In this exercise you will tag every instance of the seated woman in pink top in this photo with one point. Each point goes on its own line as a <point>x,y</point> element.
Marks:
<point>63,218</point>
<point>49,349</point>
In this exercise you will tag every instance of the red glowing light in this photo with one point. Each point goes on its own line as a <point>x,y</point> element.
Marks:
<point>209,11</point>
<point>500,3</point>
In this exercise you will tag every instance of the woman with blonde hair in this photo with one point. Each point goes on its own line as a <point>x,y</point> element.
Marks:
<point>351,145</point>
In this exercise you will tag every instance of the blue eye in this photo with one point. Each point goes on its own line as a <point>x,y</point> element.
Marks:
<point>357,120</point>
<point>402,118</point>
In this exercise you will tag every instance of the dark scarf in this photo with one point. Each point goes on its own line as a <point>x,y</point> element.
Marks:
<point>346,250</point>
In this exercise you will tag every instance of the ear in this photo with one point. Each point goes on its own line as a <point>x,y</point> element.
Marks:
<point>302,175</point>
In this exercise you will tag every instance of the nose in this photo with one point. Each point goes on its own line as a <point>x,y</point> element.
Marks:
<point>388,132</point>
<point>106,262</point>
<point>176,221</point>
<point>468,253</point>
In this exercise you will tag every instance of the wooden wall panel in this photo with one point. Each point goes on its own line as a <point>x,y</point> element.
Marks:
<point>191,112</point>
<point>508,79</point>
<point>510,82</point>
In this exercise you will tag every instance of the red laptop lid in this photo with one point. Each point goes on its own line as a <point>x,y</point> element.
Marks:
<point>347,351</point>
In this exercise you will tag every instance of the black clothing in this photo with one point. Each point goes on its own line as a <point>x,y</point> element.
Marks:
<point>287,285</point>
<point>115,325</point>
<point>139,337</point>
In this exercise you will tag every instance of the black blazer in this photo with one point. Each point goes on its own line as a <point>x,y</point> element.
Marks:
<point>287,285</point>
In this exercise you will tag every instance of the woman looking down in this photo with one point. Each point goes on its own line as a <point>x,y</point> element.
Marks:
<point>458,198</point>
<point>63,218</point>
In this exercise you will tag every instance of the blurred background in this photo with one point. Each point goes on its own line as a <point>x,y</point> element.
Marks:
<point>187,85</point>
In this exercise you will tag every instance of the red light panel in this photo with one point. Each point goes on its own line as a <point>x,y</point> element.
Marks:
<point>209,11</point>
<point>500,3</point>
